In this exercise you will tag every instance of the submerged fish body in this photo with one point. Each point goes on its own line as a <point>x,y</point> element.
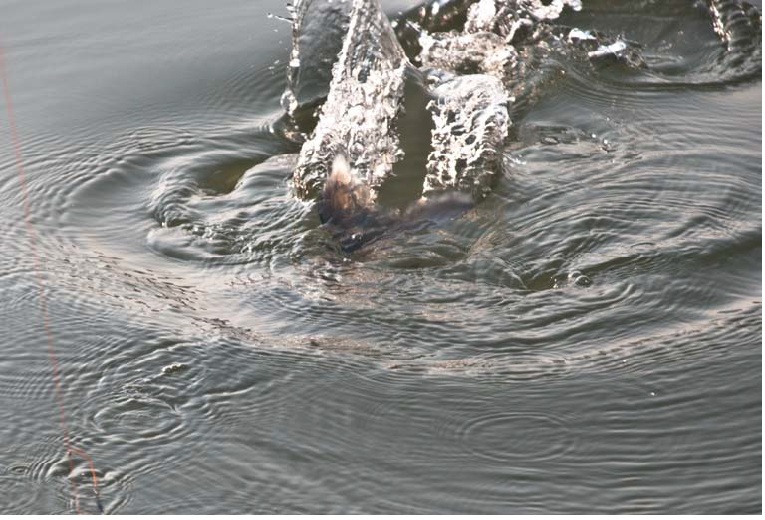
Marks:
<point>359,122</point>
<point>473,58</point>
<point>347,210</point>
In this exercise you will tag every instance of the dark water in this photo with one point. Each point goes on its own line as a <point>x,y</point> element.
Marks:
<point>586,340</point>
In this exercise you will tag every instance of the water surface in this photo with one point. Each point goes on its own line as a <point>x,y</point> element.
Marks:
<point>585,340</point>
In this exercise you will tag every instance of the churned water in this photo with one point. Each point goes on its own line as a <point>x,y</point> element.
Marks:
<point>585,340</point>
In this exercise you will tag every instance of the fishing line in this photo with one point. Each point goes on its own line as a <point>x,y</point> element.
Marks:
<point>43,298</point>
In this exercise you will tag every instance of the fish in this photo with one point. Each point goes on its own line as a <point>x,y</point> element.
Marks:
<point>350,80</point>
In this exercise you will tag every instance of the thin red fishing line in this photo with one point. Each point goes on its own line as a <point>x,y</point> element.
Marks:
<point>43,298</point>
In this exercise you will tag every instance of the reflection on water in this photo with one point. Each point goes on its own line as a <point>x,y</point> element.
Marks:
<point>586,339</point>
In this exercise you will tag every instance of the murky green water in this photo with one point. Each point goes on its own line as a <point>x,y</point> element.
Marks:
<point>586,340</point>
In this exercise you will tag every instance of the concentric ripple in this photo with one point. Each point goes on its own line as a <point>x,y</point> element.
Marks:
<point>516,436</point>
